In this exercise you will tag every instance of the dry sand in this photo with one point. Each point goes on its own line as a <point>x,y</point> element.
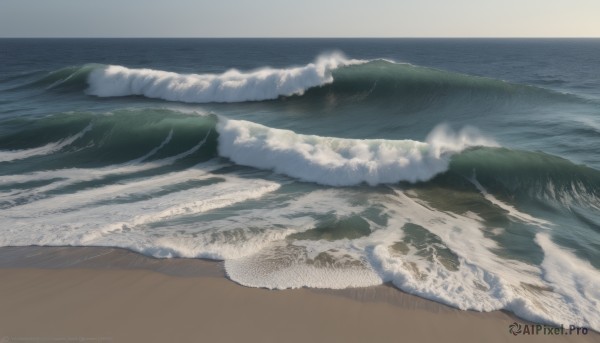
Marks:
<point>112,295</point>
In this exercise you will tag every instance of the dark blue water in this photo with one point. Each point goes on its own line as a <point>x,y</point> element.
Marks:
<point>466,171</point>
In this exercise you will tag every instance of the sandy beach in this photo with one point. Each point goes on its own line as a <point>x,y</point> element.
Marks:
<point>113,295</point>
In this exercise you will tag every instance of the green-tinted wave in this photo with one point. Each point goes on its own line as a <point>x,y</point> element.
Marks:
<point>377,80</point>
<point>104,139</point>
<point>515,174</point>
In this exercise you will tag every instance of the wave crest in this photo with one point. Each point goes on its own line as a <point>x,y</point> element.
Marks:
<point>231,86</point>
<point>342,162</point>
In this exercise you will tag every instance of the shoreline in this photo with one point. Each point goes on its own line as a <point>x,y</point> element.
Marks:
<point>51,293</point>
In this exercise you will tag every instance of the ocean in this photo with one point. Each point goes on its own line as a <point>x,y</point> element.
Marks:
<point>465,171</point>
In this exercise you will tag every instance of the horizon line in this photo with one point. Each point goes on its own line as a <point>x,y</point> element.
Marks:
<point>300,37</point>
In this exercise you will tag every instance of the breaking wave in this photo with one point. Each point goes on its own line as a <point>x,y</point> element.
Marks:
<point>343,162</point>
<point>231,86</point>
<point>331,77</point>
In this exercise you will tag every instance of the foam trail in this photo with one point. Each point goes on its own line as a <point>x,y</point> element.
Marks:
<point>83,174</point>
<point>74,175</point>
<point>86,225</point>
<point>513,212</point>
<point>478,265</point>
<point>222,196</point>
<point>563,290</point>
<point>230,237</point>
<point>87,197</point>
<point>231,86</point>
<point>575,279</point>
<point>341,162</point>
<point>166,141</point>
<point>13,155</point>
<point>232,243</point>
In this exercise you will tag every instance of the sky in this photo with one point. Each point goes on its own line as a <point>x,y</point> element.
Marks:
<point>295,18</point>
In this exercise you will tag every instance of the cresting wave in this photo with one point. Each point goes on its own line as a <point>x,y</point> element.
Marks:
<point>231,86</point>
<point>343,162</point>
<point>329,77</point>
<point>323,160</point>
<point>349,79</point>
<point>157,135</point>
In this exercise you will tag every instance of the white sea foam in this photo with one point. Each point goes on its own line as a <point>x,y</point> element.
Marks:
<point>171,206</point>
<point>233,234</point>
<point>342,162</point>
<point>297,263</point>
<point>575,280</point>
<point>216,245</point>
<point>61,221</point>
<point>238,234</point>
<point>296,273</point>
<point>476,284</point>
<point>562,291</point>
<point>231,86</point>
<point>50,148</point>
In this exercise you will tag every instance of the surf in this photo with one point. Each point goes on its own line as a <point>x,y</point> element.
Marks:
<point>329,76</point>
<point>230,86</point>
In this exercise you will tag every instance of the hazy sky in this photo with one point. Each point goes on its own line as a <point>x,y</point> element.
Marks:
<point>307,18</point>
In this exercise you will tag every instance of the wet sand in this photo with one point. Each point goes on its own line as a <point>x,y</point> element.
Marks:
<point>67,294</point>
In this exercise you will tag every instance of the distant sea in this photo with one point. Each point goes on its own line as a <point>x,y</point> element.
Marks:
<point>466,171</point>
